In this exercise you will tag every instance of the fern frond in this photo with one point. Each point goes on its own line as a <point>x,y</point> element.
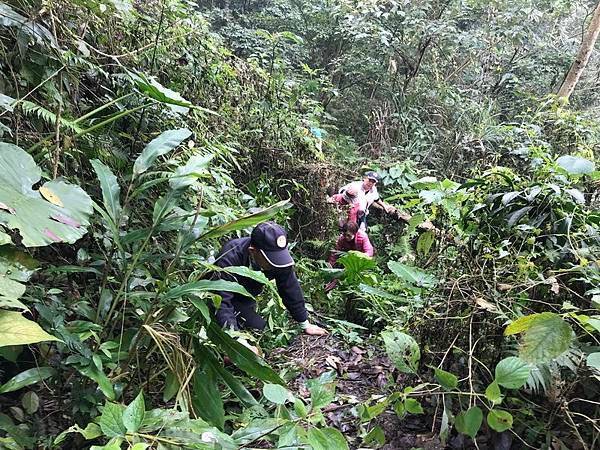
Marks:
<point>33,109</point>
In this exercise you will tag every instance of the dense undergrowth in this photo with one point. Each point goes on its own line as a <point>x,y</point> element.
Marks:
<point>136,136</point>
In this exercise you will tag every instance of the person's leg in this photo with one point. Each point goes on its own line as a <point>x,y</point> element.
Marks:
<point>246,313</point>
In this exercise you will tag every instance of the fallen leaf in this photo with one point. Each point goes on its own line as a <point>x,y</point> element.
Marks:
<point>504,287</point>
<point>483,303</point>
<point>51,196</point>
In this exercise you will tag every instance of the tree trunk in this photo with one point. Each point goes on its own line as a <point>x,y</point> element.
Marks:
<point>583,56</point>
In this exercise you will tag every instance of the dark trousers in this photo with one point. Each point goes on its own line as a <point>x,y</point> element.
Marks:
<point>247,317</point>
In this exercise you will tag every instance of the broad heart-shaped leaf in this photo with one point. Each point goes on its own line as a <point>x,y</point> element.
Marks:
<point>355,264</point>
<point>576,165</point>
<point>493,394</point>
<point>186,175</point>
<point>446,379</point>
<point>196,287</point>
<point>17,330</point>
<point>499,420</point>
<point>412,275</point>
<point>277,394</point>
<point>133,416</point>
<point>403,350</point>
<point>241,356</point>
<point>111,190</point>
<point>545,336</point>
<point>26,378</point>
<point>111,420</point>
<point>469,422</point>
<point>326,439</point>
<point>206,398</point>
<point>40,222</point>
<point>158,146</point>
<point>247,221</point>
<point>512,372</point>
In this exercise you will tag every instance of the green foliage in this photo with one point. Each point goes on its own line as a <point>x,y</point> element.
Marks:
<point>403,350</point>
<point>57,212</point>
<point>469,422</point>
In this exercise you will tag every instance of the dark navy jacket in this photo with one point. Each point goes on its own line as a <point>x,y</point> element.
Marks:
<point>235,253</point>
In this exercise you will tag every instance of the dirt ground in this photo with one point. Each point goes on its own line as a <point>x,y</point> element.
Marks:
<point>363,373</point>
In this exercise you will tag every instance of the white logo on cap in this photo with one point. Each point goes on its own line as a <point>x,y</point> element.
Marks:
<point>281,242</point>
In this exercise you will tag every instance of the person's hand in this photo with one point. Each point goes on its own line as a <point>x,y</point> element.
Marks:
<point>315,330</point>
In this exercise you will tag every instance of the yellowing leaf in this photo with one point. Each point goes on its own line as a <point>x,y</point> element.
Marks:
<point>17,330</point>
<point>51,196</point>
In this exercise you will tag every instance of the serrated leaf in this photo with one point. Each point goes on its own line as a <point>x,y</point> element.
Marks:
<point>469,422</point>
<point>512,372</point>
<point>27,378</point>
<point>403,350</point>
<point>499,420</point>
<point>133,416</point>
<point>446,379</point>
<point>111,420</point>
<point>17,330</point>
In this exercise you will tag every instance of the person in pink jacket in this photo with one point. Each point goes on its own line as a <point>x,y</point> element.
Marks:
<point>351,239</point>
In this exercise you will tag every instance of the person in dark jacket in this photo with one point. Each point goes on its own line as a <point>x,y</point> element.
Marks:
<point>265,250</point>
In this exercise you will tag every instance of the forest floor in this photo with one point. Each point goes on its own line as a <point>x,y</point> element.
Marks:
<point>363,374</point>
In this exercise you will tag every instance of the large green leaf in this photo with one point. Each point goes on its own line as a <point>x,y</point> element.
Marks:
<point>153,89</point>
<point>576,165</point>
<point>206,399</point>
<point>403,350</point>
<point>26,378</point>
<point>326,439</point>
<point>499,420</point>
<point>111,420</point>
<point>110,190</point>
<point>17,330</point>
<point>94,373</point>
<point>255,429</point>
<point>158,146</point>
<point>593,361</point>
<point>133,416</point>
<point>247,221</point>
<point>186,175</point>
<point>545,336</point>
<point>197,287</point>
<point>446,379</point>
<point>413,275</point>
<point>469,422</point>
<point>10,18</point>
<point>512,372</point>
<point>230,380</point>
<point>355,264</point>
<point>277,394</point>
<point>57,212</point>
<point>241,356</point>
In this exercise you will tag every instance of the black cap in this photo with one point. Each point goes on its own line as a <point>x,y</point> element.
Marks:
<point>373,175</point>
<point>271,240</point>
